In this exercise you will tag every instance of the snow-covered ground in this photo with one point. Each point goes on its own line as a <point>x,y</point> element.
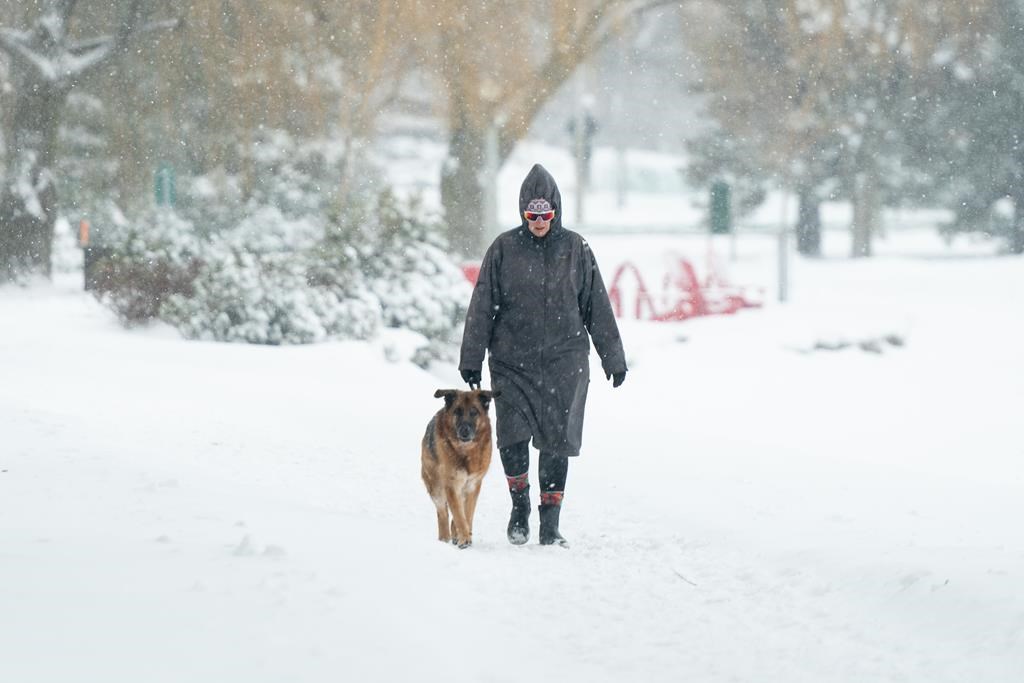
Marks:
<point>746,508</point>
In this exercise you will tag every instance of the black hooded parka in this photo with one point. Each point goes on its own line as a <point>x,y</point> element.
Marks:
<point>537,303</point>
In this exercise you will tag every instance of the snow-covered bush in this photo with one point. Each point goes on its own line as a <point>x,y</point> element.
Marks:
<point>254,286</point>
<point>141,264</point>
<point>290,270</point>
<point>404,259</point>
<point>301,179</point>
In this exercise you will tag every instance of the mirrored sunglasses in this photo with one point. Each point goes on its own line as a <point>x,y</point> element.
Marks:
<point>539,215</point>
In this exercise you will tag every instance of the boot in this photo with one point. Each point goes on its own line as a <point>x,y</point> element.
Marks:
<point>519,520</point>
<point>549,526</point>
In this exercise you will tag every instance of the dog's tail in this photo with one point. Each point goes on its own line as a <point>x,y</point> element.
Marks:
<point>430,438</point>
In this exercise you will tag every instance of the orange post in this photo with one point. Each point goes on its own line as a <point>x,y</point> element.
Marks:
<point>83,233</point>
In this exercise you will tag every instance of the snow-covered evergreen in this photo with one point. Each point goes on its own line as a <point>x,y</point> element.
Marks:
<point>254,286</point>
<point>404,260</point>
<point>287,270</point>
<point>141,263</point>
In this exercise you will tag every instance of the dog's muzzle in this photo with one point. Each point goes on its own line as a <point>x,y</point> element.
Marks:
<point>465,433</point>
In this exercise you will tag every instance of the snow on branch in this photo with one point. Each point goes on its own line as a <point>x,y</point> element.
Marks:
<point>599,29</point>
<point>73,64</point>
<point>62,64</point>
<point>59,10</point>
<point>589,33</point>
<point>153,27</point>
<point>86,55</point>
<point>48,54</point>
<point>16,44</point>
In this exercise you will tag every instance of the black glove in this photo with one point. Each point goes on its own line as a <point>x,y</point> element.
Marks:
<point>617,378</point>
<point>471,377</point>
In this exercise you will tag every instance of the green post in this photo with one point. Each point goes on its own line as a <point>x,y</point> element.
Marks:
<point>164,186</point>
<point>721,214</point>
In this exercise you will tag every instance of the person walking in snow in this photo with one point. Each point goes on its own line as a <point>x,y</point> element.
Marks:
<point>538,302</point>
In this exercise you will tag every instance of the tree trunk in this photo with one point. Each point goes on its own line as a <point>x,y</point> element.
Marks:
<point>47,65</point>
<point>462,194</point>
<point>1017,229</point>
<point>808,223</point>
<point>865,211</point>
<point>28,200</point>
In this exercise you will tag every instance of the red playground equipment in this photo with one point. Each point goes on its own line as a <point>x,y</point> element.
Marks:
<point>682,294</point>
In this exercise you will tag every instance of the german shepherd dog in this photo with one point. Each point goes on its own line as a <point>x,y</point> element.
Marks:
<point>455,454</point>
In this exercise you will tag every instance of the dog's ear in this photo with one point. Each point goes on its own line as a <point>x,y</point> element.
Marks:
<point>447,394</point>
<point>486,396</point>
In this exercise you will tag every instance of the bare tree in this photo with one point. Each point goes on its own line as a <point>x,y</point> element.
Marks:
<point>368,43</point>
<point>497,63</point>
<point>240,70</point>
<point>47,63</point>
<point>832,80</point>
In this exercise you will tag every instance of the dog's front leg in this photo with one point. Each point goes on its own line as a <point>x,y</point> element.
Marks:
<point>472,493</point>
<point>442,520</point>
<point>457,504</point>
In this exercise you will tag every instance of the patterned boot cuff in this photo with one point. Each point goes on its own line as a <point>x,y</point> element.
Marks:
<point>551,497</point>
<point>518,483</point>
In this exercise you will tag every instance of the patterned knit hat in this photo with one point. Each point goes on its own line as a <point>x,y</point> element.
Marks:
<point>538,205</point>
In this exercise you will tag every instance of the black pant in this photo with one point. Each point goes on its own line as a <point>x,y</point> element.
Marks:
<point>553,469</point>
